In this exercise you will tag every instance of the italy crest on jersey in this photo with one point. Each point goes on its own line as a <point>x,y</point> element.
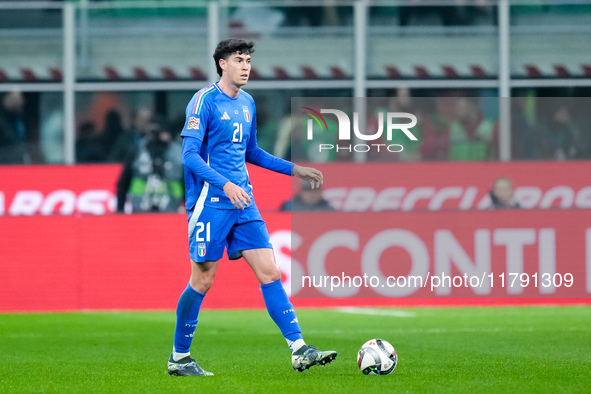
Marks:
<point>246,113</point>
<point>201,249</point>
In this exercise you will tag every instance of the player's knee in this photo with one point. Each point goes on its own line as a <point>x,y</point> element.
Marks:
<point>202,286</point>
<point>276,275</point>
<point>272,275</point>
<point>202,283</point>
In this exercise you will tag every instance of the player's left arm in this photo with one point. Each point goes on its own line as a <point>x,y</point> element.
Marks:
<point>258,156</point>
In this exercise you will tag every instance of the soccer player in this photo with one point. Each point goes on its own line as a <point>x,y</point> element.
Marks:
<point>219,137</point>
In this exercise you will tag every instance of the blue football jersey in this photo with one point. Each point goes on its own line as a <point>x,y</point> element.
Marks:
<point>225,126</point>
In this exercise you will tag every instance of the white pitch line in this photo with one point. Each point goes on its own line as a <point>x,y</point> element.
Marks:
<point>376,312</point>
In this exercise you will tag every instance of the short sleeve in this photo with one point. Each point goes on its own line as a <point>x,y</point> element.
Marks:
<point>197,116</point>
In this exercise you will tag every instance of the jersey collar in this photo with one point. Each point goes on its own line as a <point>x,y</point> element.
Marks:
<point>224,93</point>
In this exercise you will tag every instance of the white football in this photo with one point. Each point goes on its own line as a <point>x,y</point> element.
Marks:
<point>377,357</point>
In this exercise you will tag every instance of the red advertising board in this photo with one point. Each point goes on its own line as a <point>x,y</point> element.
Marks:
<point>91,189</point>
<point>510,253</point>
<point>62,190</point>
<point>62,249</point>
<point>371,187</point>
<point>374,187</point>
<point>109,262</point>
<point>52,263</point>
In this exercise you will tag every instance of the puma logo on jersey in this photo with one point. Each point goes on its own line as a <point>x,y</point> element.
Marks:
<point>225,116</point>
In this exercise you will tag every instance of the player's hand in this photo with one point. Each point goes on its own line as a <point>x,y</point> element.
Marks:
<point>309,174</point>
<point>239,198</point>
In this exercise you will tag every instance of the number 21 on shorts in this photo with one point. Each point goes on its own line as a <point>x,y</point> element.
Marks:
<point>200,228</point>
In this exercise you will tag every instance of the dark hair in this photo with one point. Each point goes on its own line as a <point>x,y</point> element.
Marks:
<point>226,48</point>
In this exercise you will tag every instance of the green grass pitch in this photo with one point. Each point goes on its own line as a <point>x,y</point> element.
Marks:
<point>517,349</point>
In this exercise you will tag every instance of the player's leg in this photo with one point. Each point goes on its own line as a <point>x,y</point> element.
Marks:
<point>187,311</point>
<point>262,262</point>
<point>207,237</point>
<point>181,363</point>
<point>202,275</point>
<point>250,238</point>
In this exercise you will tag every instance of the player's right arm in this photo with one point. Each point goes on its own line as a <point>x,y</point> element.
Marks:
<point>194,132</point>
<point>193,160</point>
<point>196,125</point>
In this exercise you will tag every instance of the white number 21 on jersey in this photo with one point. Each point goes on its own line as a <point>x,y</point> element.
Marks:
<point>238,129</point>
<point>200,228</point>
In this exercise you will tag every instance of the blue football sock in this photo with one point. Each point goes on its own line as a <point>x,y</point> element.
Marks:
<point>186,319</point>
<point>281,311</point>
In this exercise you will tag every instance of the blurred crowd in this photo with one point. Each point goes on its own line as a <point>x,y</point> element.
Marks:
<point>455,128</point>
<point>148,145</point>
<point>152,179</point>
<point>13,135</point>
<point>451,127</point>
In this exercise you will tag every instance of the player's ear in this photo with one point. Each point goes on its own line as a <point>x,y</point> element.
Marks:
<point>223,64</point>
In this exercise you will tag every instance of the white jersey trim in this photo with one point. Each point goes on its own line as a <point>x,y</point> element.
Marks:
<point>198,206</point>
<point>200,99</point>
<point>198,209</point>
